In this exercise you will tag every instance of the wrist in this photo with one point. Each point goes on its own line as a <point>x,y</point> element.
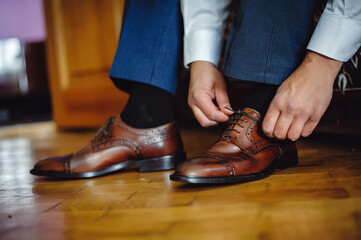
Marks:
<point>201,65</point>
<point>201,70</point>
<point>328,67</point>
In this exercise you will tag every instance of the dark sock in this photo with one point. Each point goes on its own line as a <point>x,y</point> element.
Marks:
<point>148,107</point>
<point>260,96</point>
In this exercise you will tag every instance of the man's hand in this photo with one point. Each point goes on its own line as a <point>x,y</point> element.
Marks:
<point>302,99</point>
<point>207,84</point>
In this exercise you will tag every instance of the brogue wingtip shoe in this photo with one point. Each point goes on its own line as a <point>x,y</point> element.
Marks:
<point>116,146</point>
<point>242,154</point>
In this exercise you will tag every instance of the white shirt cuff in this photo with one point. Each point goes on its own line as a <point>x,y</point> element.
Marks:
<point>335,37</point>
<point>202,45</point>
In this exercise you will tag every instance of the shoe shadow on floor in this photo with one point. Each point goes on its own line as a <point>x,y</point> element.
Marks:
<point>204,186</point>
<point>54,179</point>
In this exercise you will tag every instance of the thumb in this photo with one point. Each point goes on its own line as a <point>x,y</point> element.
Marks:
<point>223,100</point>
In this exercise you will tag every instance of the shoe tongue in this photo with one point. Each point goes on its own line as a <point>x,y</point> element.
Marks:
<point>239,133</point>
<point>253,113</point>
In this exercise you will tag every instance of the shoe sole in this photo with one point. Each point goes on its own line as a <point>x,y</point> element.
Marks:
<point>290,159</point>
<point>146,165</point>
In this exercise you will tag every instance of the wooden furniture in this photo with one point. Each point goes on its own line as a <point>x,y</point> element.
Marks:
<point>82,37</point>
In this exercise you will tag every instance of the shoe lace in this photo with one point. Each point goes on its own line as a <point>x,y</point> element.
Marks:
<point>107,129</point>
<point>236,117</point>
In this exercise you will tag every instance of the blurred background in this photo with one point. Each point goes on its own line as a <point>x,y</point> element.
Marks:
<point>55,56</point>
<point>24,89</point>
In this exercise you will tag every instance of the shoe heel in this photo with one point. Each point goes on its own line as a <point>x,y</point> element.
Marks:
<point>288,159</point>
<point>160,164</point>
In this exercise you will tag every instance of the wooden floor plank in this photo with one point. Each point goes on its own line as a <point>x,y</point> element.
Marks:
<point>319,199</point>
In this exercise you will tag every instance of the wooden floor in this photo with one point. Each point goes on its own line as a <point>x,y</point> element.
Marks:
<point>320,199</point>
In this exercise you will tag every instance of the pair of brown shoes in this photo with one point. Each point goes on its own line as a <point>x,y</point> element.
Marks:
<point>241,154</point>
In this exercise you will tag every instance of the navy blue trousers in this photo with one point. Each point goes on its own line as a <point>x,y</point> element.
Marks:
<point>149,45</point>
<point>266,43</point>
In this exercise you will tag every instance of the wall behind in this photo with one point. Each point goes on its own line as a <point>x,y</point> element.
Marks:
<point>23,19</point>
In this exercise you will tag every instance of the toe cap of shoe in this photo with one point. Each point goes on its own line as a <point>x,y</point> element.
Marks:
<point>202,167</point>
<point>53,164</point>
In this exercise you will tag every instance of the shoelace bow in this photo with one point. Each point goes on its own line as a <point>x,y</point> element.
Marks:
<point>235,118</point>
<point>107,129</point>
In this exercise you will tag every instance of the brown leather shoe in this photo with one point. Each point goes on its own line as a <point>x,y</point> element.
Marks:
<point>243,153</point>
<point>116,146</point>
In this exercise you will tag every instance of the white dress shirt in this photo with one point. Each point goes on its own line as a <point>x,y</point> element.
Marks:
<point>337,35</point>
<point>204,25</point>
<point>338,32</point>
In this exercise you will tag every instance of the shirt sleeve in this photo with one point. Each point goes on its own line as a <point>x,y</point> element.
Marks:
<point>338,32</point>
<point>204,25</point>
